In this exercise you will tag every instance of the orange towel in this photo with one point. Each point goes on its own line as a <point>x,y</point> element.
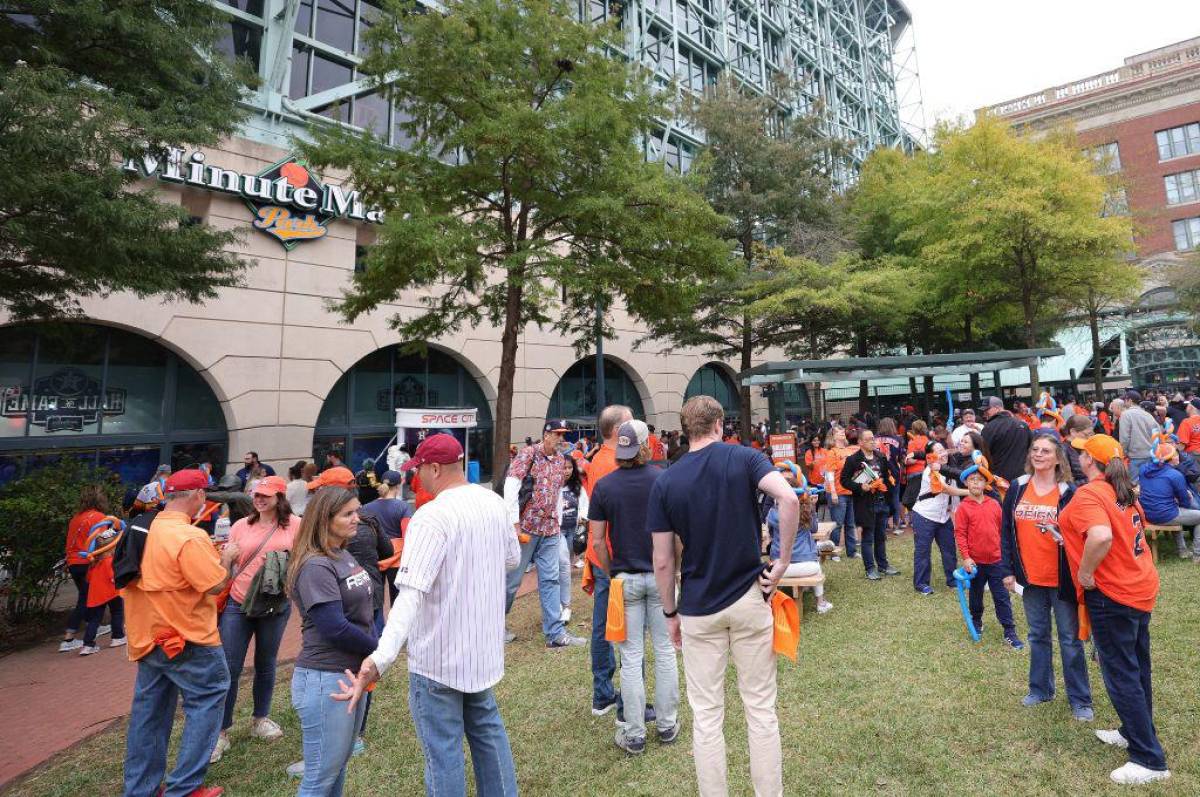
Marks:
<point>614,627</point>
<point>171,641</point>
<point>1085,622</point>
<point>787,624</point>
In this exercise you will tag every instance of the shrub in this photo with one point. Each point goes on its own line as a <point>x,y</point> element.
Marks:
<point>34,513</point>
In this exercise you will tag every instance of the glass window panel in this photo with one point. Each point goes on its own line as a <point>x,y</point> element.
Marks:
<point>333,411</point>
<point>1178,144</point>
<point>16,359</point>
<point>335,23</point>
<point>135,465</point>
<point>369,14</point>
<point>325,445</point>
<point>1193,232</point>
<point>298,83</point>
<point>326,74</point>
<point>67,396</point>
<point>1193,137</point>
<point>1164,145</point>
<point>400,134</point>
<point>241,41</point>
<point>408,390</point>
<point>191,455</point>
<point>1172,184</point>
<point>137,378</point>
<point>371,113</point>
<point>1180,232</point>
<point>339,111</point>
<point>304,17</point>
<point>196,406</point>
<point>372,375</point>
<point>1187,187</point>
<point>254,7</point>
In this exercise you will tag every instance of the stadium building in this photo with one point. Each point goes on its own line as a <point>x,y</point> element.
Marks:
<point>267,367</point>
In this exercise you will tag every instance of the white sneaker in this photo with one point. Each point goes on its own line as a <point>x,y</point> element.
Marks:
<point>223,744</point>
<point>118,642</point>
<point>579,565</point>
<point>566,614</point>
<point>88,650</point>
<point>1112,737</point>
<point>70,644</point>
<point>837,558</point>
<point>265,728</point>
<point>824,607</point>
<point>296,770</point>
<point>1135,775</point>
<point>104,630</point>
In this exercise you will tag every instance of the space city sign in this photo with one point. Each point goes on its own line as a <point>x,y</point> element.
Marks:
<point>288,201</point>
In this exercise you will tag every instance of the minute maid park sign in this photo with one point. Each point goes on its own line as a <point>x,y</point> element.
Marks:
<point>289,203</point>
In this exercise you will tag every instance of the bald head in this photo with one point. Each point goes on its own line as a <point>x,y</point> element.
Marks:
<point>611,418</point>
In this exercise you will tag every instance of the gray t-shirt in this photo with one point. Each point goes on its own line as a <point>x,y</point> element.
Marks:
<point>321,580</point>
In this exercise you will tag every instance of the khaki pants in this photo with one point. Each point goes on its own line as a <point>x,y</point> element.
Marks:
<point>743,630</point>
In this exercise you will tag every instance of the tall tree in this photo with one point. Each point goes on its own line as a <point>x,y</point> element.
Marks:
<point>766,172</point>
<point>85,85</point>
<point>525,198</point>
<point>1097,288</point>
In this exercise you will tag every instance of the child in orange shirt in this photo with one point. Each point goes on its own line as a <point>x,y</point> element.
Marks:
<point>102,594</point>
<point>977,530</point>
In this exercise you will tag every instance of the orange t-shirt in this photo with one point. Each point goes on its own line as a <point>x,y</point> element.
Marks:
<point>604,463</point>
<point>916,446</point>
<point>1038,551</point>
<point>814,460</point>
<point>835,459</point>
<point>1189,434</point>
<point>77,535</point>
<point>1126,574</point>
<point>179,566</point>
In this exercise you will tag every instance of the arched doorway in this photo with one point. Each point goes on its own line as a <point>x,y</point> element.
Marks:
<point>574,397</point>
<point>713,380</point>
<point>359,415</point>
<point>104,395</point>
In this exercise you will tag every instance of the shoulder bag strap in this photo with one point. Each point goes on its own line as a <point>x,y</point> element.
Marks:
<point>243,562</point>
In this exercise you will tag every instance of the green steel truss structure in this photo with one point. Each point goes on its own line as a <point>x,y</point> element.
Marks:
<point>853,61</point>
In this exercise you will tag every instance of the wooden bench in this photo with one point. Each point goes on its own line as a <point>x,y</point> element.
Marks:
<point>1156,530</point>
<point>797,584</point>
<point>827,555</point>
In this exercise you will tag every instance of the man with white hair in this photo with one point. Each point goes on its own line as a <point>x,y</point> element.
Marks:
<point>968,424</point>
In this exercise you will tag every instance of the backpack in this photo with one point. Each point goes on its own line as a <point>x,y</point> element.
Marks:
<point>524,493</point>
<point>127,556</point>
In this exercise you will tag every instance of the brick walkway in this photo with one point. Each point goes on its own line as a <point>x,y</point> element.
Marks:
<point>51,701</point>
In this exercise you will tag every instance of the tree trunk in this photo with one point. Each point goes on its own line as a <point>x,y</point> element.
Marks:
<point>864,390</point>
<point>744,390</point>
<point>1097,366</point>
<point>912,380</point>
<point>502,435</point>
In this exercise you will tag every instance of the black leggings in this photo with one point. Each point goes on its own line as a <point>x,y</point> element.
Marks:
<point>79,613</point>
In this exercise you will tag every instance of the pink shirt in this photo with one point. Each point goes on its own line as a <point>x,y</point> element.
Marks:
<point>248,539</point>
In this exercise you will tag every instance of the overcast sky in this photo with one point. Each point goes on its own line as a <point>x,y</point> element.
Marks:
<point>973,53</point>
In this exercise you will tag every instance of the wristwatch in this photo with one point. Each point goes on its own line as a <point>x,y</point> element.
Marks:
<point>669,615</point>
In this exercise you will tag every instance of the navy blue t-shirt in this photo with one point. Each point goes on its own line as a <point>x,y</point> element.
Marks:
<point>620,499</point>
<point>389,512</point>
<point>709,498</point>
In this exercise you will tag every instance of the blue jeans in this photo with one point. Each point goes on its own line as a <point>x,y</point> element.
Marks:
<point>564,571</point>
<point>893,498</point>
<point>236,630</point>
<point>1135,467</point>
<point>116,611</point>
<point>604,664</point>
<point>201,676</point>
<point>328,731</point>
<point>843,516</point>
<point>1040,603</point>
<point>643,611</point>
<point>925,533</point>
<point>1122,637</point>
<point>442,717</point>
<point>543,552</point>
<point>993,576</point>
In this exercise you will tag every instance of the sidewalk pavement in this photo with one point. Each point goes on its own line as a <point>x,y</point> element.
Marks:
<point>51,701</point>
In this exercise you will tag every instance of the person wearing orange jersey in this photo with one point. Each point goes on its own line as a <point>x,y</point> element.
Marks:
<point>1035,561</point>
<point>1104,537</point>
<point>841,507</point>
<point>1189,428</point>
<point>93,506</point>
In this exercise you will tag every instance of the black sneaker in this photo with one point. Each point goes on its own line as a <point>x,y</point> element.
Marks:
<point>630,746</point>
<point>600,709</point>
<point>649,717</point>
<point>1014,641</point>
<point>671,734</point>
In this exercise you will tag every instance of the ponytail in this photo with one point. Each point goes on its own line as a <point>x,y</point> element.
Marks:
<point>1117,475</point>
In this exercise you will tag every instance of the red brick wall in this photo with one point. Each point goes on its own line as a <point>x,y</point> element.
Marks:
<point>1143,174</point>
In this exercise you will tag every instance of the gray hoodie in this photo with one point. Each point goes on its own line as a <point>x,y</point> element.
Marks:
<point>1135,428</point>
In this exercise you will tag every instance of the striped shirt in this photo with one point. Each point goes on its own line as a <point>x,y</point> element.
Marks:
<point>457,550</point>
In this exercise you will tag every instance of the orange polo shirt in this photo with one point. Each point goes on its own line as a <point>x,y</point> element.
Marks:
<point>179,566</point>
<point>604,463</point>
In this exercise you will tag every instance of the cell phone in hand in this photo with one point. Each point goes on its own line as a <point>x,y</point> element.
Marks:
<point>766,572</point>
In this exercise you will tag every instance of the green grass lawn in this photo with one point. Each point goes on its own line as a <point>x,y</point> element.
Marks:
<point>889,696</point>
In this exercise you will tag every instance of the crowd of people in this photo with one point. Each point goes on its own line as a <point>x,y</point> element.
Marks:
<point>683,539</point>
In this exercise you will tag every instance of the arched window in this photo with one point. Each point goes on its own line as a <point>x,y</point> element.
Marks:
<point>359,415</point>
<point>104,395</point>
<point>574,396</point>
<point>712,380</point>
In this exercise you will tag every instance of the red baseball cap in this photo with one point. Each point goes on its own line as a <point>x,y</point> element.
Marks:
<point>271,485</point>
<point>183,480</point>
<point>440,448</point>
<point>332,477</point>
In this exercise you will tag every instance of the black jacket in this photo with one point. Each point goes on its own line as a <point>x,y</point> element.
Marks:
<point>1008,442</point>
<point>369,545</point>
<point>1010,549</point>
<point>854,464</point>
